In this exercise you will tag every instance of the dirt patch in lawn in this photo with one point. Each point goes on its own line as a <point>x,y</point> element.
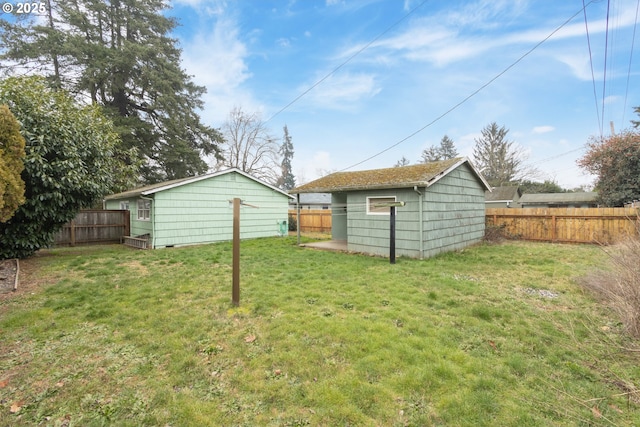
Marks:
<point>28,279</point>
<point>8,275</point>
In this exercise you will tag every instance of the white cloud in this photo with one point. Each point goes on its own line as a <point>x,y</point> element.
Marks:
<point>217,60</point>
<point>342,91</point>
<point>543,129</point>
<point>215,7</point>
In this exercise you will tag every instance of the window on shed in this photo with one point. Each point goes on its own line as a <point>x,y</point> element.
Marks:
<point>124,205</point>
<point>144,210</point>
<point>374,208</point>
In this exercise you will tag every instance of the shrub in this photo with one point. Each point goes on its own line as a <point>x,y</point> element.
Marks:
<point>71,162</point>
<point>11,164</point>
<point>619,288</point>
<point>495,233</point>
<point>293,223</point>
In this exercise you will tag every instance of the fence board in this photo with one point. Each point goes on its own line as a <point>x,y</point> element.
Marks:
<point>561,225</point>
<point>94,227</point>
<point>314,220</point>
<point>566,225</point>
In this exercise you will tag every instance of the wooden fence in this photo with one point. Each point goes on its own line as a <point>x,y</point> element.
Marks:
<point>562,225</point>
<point>313,220</point>
<point>94,227</point>
<point>566,225</point>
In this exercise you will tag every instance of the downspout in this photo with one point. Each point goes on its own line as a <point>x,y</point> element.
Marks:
<point>298,216</point>
<point>152,215</point>
<point>421,215</point>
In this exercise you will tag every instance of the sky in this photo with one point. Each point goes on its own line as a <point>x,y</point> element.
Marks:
<point>361,84</point>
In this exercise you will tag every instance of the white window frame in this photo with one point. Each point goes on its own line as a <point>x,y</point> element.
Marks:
<point>379,199</point>
<point>144,210</point>
<point>124,205</point>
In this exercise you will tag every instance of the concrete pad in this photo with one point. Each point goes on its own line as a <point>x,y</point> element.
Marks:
<point>329,245</point>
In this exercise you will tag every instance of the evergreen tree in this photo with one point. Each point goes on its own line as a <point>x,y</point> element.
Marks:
<point>499,160</point>
<point>446,150</point>
<point>636,123</point>
<point>287,181</point>
<point>548,186</point>
<point>402,162</point>
<point>118,54</point>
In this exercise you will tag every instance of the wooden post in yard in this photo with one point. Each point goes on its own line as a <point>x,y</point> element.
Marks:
<point>392,227</point>
<point>235,291</point>
<point>392,235</point>
<point>235,294</point>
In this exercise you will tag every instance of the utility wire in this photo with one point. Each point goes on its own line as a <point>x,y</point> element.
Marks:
<point>593,76</point>
<point>472,94</point>
<point>358,52</point>
<point>604,78</point>
<point>633,38</point>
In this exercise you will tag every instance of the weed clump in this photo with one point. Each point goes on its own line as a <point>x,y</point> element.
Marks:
<point>495,233</point>
<point>619,288</point>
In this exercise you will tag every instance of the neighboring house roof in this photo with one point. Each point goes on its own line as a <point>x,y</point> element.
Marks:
<point>558,198</point>
<point>162,186</point>
<point>421,175</point>
<point>503,194</point>
<point>315,199</point>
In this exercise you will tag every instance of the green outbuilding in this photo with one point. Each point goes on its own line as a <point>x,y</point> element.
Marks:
<point>440,207</point>
<point>199,210</point>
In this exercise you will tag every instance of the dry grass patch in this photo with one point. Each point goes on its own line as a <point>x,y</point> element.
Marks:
<point>619,286</point>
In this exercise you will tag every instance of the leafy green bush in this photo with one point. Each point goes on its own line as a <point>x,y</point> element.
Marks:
<point>293,223</point>
<point>72,161</point>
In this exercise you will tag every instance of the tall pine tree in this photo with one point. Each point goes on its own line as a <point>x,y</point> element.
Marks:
<point>287,181</point>
<point>118,54</point>
<point>446,150</point>
<point>497,158</point>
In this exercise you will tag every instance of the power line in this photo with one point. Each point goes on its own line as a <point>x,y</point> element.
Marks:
<point>472,94</point>
<point>604,78</point>
<point>358,52</point>
<point>558,155</point>
<point>633,38</point>
<point>593,76</point>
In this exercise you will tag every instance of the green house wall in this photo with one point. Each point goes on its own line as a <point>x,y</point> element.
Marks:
<point>453,217</point>
<point>201,212</point>
<point>138,227</point>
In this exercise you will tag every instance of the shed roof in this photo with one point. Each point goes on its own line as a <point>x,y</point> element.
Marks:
<point>500,194</point>
<point>421,175</point>
<point>167,185</point>
<point>559,198</point>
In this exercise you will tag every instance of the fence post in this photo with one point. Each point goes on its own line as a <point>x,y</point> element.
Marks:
<point>72,233</point>
<point>126,216</point>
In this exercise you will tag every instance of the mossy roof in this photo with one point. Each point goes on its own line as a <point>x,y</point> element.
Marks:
<point>167,185</point>
<point>421,175</point>
<point>500,194</point>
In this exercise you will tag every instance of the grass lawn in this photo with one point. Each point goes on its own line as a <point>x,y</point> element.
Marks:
<point>495,335</point>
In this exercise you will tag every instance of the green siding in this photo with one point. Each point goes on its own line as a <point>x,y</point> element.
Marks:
<point>453,217</point>
<point>454,212</point>
<point>201,211</point>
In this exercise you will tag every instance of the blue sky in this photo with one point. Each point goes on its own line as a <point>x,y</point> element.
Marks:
<point>402,65</point>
